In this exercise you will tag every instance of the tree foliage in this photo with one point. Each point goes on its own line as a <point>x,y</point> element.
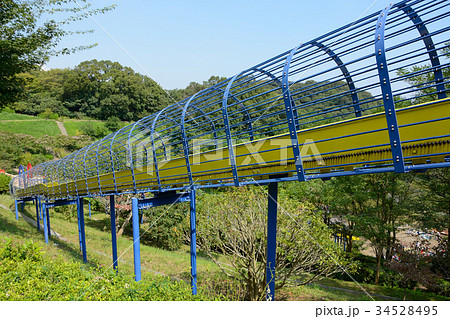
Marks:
<point>234,223</point>
<point>30,31</point>
<point>102,90</point>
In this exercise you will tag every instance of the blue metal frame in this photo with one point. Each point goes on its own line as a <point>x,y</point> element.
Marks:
<point>430,47</point>
<point>80,210</point>
<point>112,216</point>
<point>136,239</point>
<point>193,238</point>
<point>44,221</point>
<point>291,118</point>
<point>345,72</point>
<point>160,199</point>
<point>386,89</point>
<point>271,240</point>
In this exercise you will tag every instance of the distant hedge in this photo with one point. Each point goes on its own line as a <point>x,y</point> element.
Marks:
<point>27,274</point>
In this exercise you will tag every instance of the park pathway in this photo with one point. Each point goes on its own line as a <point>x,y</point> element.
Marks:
<point>61,128</point>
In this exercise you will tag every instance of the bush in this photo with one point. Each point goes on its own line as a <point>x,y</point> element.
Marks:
<point>168,228</point>
<point>94,131</point>
<point>8,110</point>
<point>28,274</point>
<point>113,123</point>
<point>48,114</point>
<point>4,183</point>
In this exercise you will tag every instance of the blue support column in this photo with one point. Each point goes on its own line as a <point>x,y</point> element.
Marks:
<point>17,210</point>
<point>82,232</point>
<point>48,221</point>
<point>37,202</point>
<point>79,224</point>
<point>44,221</point>
<point>113,231</point>
<point>89,209</point>
<point>40,210</point>
<point>271,240</point>
<point>193,243</point>
<point>136,240</point>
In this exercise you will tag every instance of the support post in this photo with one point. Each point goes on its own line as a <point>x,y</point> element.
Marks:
<point>81,222</point>
<point>136,240</point>
<point>37,202</point>
<point>48,221</point>
<point>193,242</point>
<point>40,210</point>
<point>89,203</point>
<point>113,231</point>
<point>271,240</point>
<point>44,221</point>
<point>17,210</point>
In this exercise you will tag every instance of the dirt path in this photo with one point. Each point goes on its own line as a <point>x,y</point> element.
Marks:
<point>61,128</point>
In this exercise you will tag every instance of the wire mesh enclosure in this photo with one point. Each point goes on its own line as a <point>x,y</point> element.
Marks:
<point>367,96</point>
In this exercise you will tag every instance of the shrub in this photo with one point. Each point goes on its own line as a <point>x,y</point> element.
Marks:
<point>4,183</point>
<point>8,110</point>
<point>167,227</point>
<point>113,123</point>
<point>28,274</point>
<point>93,130</point>
<point>48,114</point>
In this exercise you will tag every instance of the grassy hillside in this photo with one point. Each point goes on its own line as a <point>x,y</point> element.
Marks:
<point>34,127</point>
<point>75,127</point>
<point>7,116</point>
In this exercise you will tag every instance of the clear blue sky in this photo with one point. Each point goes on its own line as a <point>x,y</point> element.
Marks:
<point>176,42</point>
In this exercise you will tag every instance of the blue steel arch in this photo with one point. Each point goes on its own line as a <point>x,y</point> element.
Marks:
<point>226,94</point>
<point>429,46</point>
<point>278,82</point>
<point>345,72</point>
<point>96,164</point>
<point>289,107</point>
<point>386,89</point>
<point>185,147</point>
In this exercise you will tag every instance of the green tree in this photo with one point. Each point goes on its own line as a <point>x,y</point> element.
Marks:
<point>421,76</point>
<point>348,204</point>
<point>103,89</point>
<point>30,31</point>
<point>432,204</point>
<point>234,224</point>
<point>388,199</point>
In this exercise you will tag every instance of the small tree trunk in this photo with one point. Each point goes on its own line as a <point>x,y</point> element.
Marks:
<point>377,271</point>
<point>125,223</point>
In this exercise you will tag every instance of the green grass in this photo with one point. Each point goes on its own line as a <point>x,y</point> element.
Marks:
<point>158,262</point>
<point>36,128</point>
<point>6,116</point>
<point>74,127</point>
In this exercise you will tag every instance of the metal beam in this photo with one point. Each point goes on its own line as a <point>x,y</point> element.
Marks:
<point>289,107</point>
<point>271,240</point>
<point>193,232</point>
<point>113,231</point>
<point>82,230</point>
<point>44,221</point>
<point>386,89</point>
<point>136,238</point>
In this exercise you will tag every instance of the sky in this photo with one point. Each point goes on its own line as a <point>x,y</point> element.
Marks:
<point>176,42</point>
